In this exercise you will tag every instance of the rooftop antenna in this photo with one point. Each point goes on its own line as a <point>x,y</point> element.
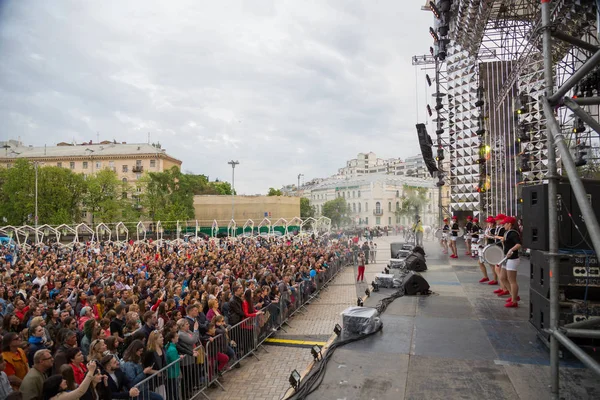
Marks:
<point>97,137</point>
<point>44,149</point>
<point>6,147</point>
<point>148,137</point>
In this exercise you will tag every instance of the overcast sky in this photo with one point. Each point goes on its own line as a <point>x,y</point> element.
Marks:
<point>283,86</point>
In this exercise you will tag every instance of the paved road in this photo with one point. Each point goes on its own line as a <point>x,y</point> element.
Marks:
<point>268,378</point>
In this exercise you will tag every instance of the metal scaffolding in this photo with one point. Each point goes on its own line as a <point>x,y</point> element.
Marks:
<point>536,63</point>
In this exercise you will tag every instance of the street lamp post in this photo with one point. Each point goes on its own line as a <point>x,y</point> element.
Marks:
<point>298,187</point>
<point>233,164</point>
<point>35,165</point>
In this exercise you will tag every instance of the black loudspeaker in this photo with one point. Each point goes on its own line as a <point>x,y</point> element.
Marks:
<point>419,249</point>
<point>579,275</point>
<point>415,262</point>
<point>413,283</point>
<point>425,143</point>
<point>535,216</point>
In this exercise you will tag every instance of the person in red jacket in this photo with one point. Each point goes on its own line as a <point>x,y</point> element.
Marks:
<point>75,360</point>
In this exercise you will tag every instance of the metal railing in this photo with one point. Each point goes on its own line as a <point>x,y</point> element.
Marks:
<point>189,377</point>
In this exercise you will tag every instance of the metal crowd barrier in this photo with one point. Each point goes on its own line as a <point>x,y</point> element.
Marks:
<point>190,376</point>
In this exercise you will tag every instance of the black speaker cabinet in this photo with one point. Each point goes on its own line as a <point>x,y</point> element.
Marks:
<point>416,262</point>
<point>578,277</point>
<point>413,283</point>
<point>535,216</point>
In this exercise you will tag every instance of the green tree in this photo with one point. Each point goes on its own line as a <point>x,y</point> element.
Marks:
<point>306,210</point>
<point>60,192</point>
<point>412,200</point>
<point>219,187</point>
<point>337,210</point>
<point>274,192</point>
<point>104,197</point>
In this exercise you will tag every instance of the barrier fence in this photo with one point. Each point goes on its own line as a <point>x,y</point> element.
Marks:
<point>189,376</point>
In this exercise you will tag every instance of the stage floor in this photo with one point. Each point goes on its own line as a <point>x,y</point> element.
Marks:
<point>458,343</point>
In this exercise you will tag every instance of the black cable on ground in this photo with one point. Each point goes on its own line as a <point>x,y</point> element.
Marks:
<point>315,377</point>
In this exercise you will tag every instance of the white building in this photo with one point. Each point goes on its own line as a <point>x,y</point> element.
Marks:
<point>369,163</point>
<point>374,198</point>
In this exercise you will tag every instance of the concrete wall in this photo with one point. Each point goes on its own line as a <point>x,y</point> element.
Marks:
<point>208,208</point>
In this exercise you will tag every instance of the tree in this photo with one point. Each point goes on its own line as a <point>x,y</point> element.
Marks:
<point>306,210</point>
<point>169,195</point>
<point>104,197</point>
<point>336,210</point>
<point>60,192</point>
<point>274,192</point>
<point>412,200</point>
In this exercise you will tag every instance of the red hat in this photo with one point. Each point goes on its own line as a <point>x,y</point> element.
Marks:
<point>509,220</point>
<point>475,219</point>
<point>454,217</point>
<point>469,218</point>
<point>500,217</point>
<point>445,219</point>
<point>490,219</point>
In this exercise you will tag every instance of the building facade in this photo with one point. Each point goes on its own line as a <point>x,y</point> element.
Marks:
<point>128,160</point>
<point>374,198</point>
<point>208,208</point>
<point>369,163</point>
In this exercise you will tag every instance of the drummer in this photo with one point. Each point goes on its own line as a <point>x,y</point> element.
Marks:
<point>468,231</point>
<point>475,230</point>
<point>490,239</point>
<point>444,238</point>
<point>499,235</point>
<point>454,236</point>
<point>512,244</point>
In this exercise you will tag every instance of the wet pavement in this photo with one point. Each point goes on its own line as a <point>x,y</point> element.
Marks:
<point>460,342</point>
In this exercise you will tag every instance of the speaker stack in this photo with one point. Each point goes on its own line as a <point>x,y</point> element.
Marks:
<point>579,269</point>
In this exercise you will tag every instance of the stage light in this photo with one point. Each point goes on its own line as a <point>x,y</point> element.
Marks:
<point>359,302</point>
<point>375,286</point>
<point>524,134</point>
<point>525,166</point>
<point>429,110</point>
<point>367,292</point>
<point>443,29</point>
<point>480,131</point>
<point>295,379</point>
<point>438,104</point>
<point>428,79</point>
<point>337,329</point>
<point>316,352</point>
<point>442,49</point>
<point>431,51</point>
<point>521,104</point>
<point>439,132</point>
<point>440,154</point>
<point>433,34</point>
<point>444,5</point>
<point>579,126</point>
<point>434,9</point>
<point>386,271</point>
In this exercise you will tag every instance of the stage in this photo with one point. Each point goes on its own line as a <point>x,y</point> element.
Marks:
<point>458,343</point>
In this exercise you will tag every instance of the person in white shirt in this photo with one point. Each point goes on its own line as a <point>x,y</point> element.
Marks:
<point>40,279</point>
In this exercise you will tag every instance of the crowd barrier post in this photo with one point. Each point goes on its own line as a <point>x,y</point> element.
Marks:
<point>216,360</point>
<point>243,338</point>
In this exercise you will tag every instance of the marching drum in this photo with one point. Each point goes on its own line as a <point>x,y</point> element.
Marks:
<point>460,232</point>
<point>493,254</point>
<point>438,233</point>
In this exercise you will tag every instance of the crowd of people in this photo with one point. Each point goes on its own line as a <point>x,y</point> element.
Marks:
<point>501,230</point>
<point>94,320</point>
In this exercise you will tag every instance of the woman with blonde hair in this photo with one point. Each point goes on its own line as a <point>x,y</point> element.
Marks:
<point>97,349</point>
<point>155,359</point>
<point>213,309</point>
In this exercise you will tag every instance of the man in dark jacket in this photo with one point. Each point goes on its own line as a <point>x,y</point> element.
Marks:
<point>194,314</point>
<point>69,340</point>
<point>236,312</point>
<point>117,385</point>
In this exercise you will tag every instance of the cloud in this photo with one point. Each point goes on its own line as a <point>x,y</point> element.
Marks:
<point>285,87</point>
